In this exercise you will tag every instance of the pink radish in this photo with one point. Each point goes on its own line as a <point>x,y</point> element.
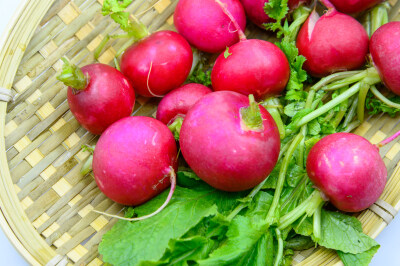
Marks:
<point>331,43</point>
<point>98,95</point>
<point>158,63</point>
<point>354,6</point>
<point>230,145</point>
<point>178,102</point>
<point>385,51</point>
<point>255,10</point>
<point>205,26</point>
<point>134,160</point>
<point>348,169</point>
<point>173,107</point>
<point>250,67</point>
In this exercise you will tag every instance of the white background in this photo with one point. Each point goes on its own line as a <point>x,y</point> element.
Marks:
<point>389,239</point>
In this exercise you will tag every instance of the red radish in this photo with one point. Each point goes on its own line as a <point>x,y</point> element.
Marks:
<point>254,67</point>
<point>230,145</point>
<point>98,95</point>
<point>205,26</point>
<point>354,6</point>
<point>348,169</point>
<point>158,63</point>
<point>250,67</point>
<point>255,10</point>
<point>331,43</point>
<point>134,160</point>
<point>178,102</point>
<point>385,53</point>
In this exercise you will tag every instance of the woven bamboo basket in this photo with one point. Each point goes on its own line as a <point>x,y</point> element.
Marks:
<point>45,203</point>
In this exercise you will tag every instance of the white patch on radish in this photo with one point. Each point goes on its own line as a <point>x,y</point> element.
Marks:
<point>153,140</point>
<point>327,162</point>
<point>314,17</point>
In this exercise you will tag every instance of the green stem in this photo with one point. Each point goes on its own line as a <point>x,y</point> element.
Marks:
<point>382,98</point>
<point>317,223</point>
<point>273,111</point>
<point>379,16</point>
<point>334,77</point>
<point>101,46</point>
<point>72,76</point>
<point>361,101</point>
<point>329,105</point>
<point>351,113</point>
<point>306,207</point>
<point>256,189</point>
<point>251,115</point>
<point>175,127</point>
<point>340,114</point>
<point>346,81</point>
<point>281,178</point>
<point>280,247</point>
<point>352,126</point>
<point>367,24</point>
<point>87,166</point>
<point>300,15</point>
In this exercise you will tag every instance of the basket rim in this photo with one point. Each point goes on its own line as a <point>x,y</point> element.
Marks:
<point>10,39</point>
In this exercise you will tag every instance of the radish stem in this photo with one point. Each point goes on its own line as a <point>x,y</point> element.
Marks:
<point>280,247</point>
<point>385,100</point>
<point>281,178</point>
<point>72,76</point>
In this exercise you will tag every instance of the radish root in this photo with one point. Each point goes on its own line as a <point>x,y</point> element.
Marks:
<point>172,176</point>
<point>148,86</point>
<point>242,36</point>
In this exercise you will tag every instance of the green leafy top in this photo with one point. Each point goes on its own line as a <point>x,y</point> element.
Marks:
<point>115,8</point>
<point>277,10</point>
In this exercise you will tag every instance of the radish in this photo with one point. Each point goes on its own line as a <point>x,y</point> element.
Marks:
<point>158,63</point>
<point>354,6</point>
<point>348,169</point>
<point>385,50</point>
<point>331,43</point>
<point>98,95</point>
<point>255,10</point>
<point>134,160</point>
<point>173,107</point>
<point>205,26</point>
<point>250,67</point>
<point>231,145</point>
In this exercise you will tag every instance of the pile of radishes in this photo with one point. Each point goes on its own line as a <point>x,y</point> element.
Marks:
<point>245,127</point>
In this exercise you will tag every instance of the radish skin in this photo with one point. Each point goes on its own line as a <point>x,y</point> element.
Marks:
<point>178,102</point>
<point>331,43</point>
<point>348,169</point>
<point>224,150</point>
<point>158,63</point>
<point>385,52</point>
<point>105,97</point>
<point>254,67</point>
<point>133,160</point>
<point>354,6</point>
<point>215,32</point>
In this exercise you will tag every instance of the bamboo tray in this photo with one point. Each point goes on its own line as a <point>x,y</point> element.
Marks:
<point>45,203</point>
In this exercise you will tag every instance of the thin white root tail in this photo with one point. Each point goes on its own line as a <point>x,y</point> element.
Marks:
<point>148,86</point>
<point>171,192</point>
